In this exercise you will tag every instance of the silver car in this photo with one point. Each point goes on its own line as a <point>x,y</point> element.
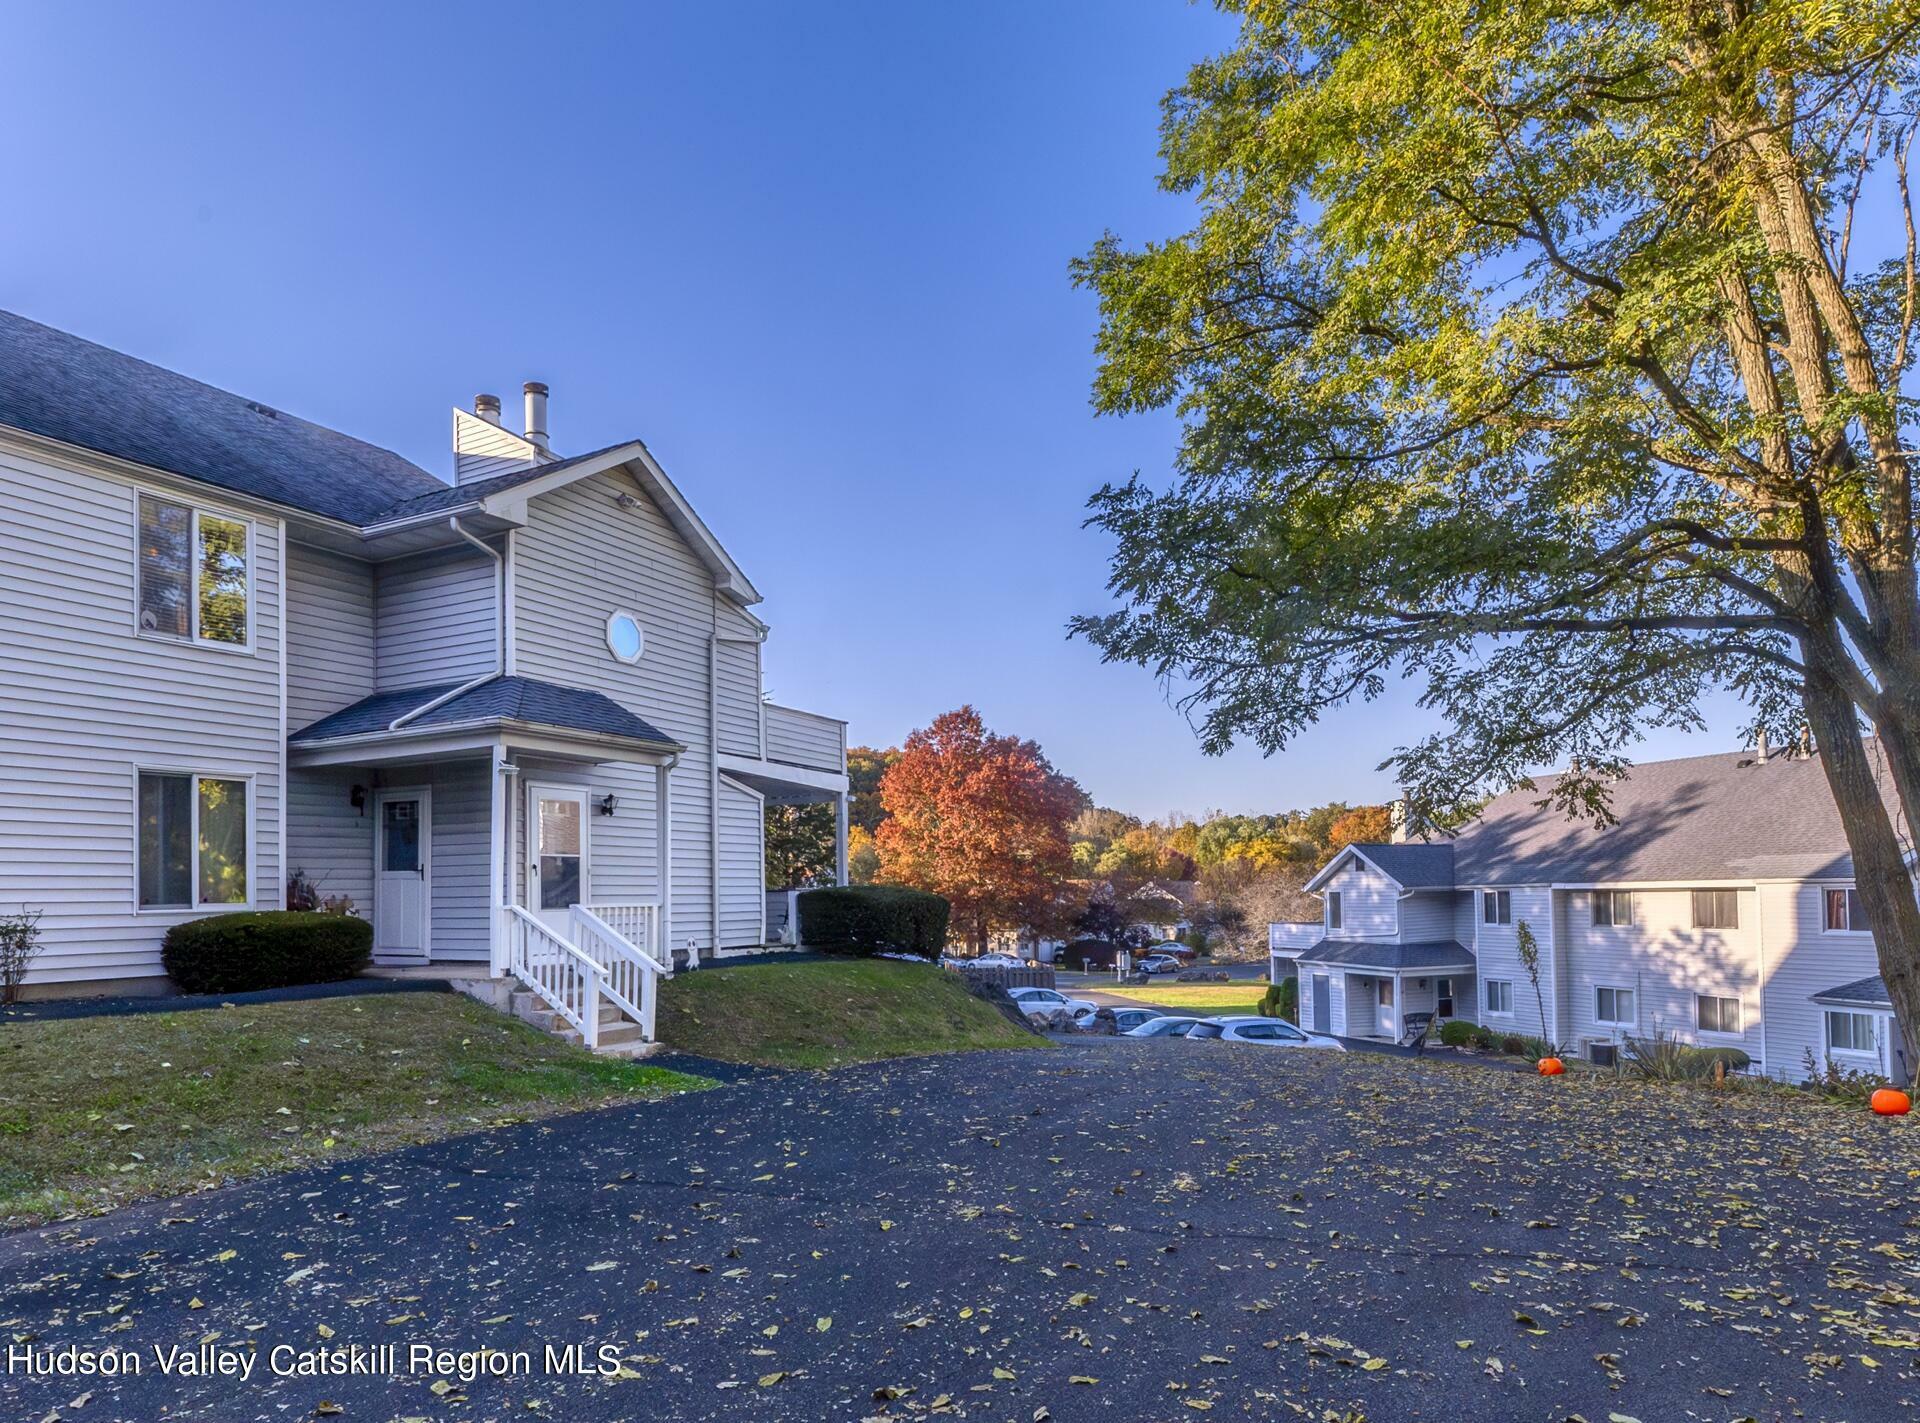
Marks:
<point>1171,1026</point>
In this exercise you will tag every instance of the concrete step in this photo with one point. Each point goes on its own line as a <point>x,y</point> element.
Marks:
<point>611,1035</point>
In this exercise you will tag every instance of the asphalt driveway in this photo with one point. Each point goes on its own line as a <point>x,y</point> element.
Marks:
<point>1115,1230</point>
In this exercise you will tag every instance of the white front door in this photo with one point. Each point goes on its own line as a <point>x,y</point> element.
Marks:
<point>556,852</point>
<point>1389,1024</point>
<point>402,883</point>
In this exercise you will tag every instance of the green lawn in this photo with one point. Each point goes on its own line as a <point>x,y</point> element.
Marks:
<point>1205,999</point>
<point>825,1014</point>
<point>95,1112</point>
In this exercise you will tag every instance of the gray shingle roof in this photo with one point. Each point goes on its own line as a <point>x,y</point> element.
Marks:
<point>1415,866</point>
<point>1727,816</point>
<point>503,699</point>
<point>1865,992</point>
<point>1360,953</point>
<point>58,386</point>
<point>451,496</point>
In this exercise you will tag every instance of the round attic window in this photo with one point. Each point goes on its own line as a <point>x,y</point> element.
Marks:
<point>624,638</point>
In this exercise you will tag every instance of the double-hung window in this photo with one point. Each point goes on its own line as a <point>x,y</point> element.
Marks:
<point>1613,1005</point>
<point>1844,914</point>
<point>1496,906</point>
<point>1850,1032</point>
<point>1716,1015</point>
<point>195,574</point>
<point>1499,995</point>
<point>1612,908</point>
<point>192,840</point>
<point>1716,909</point>
<point>1333,909</point>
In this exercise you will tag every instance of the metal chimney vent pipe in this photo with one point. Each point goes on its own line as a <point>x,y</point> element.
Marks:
<point>536,413</point>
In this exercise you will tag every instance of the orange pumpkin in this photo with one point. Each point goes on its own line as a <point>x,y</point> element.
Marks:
<point>1551,1067</point>
<point>1889,1102</point>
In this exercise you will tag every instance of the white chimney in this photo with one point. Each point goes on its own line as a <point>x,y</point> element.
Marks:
<point>487,407</point>
<point>536,413</point>
<point>1397,821</point>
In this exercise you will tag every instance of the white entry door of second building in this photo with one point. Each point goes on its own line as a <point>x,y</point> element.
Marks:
<point>556,852</point>
<point>402,874</point>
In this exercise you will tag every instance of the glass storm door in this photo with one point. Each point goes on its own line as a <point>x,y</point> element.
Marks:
<point>1322,1003</point>
<point>1389,1025</point>
<point>556,853</point>
<point>402,891</point>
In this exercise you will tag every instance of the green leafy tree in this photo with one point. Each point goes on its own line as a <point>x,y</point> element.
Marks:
<point>1555,356</point>
<point>865,767</point>
<point>800,848</point>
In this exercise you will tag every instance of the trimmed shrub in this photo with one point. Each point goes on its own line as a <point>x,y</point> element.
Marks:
<point>274,948</point>
<point>1512,1043</point>
<point>1282,1000</point>
<point>1457,1032</point>
<point>1485,1039</point>
<point>1698,1062</point>
<point>865,919</point>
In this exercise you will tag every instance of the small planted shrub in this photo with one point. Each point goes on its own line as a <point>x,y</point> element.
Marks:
<point>865,919</point>
<point>1282,1000</point>
<point>19,947</point>
<point>275,948</point>
<point>1457,1032</point>
<point>1512,1043</point>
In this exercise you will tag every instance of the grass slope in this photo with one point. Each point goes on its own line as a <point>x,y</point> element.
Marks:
<point>95,1112</point>
<point>815,1014</point>
<point>1204,999</point>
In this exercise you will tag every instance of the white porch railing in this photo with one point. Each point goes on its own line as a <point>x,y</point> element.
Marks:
<point>639,925</point>
<point>567,980</point>
<point>630,978</point>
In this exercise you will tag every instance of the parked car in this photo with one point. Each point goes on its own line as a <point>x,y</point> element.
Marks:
<point>1167,1025</point>
<point>1159,963</point>
<point>995,959</point>
<point>1268,1032</point>
<point>1046,1000</point>
<point>1123,1020</point>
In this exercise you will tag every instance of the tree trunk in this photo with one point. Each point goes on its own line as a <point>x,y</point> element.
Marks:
<point>1880,870</point>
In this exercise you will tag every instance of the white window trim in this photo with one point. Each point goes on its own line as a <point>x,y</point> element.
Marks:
<point>639,627</point>
<point>194,777</point>
<point>1871,1054</point>
<point>193,638</point>
<point>1492,896</point>
<point>1740,1007</point>
<point>1487,983</point>
<point>1851,891</point>
<point>1617,989</point>
<point>1734,928</point>
<point>1336,908</point>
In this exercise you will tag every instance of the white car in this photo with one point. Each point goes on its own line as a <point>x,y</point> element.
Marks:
<point>995,960</point>
<point>1268,1032</point>
<point>1047,1000</point>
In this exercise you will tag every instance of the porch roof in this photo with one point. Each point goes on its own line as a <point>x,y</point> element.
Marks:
<point>523,701</point>
<point>1861,993</point>
<point>1432,956</point>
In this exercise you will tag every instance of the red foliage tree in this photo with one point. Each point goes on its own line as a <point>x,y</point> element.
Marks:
<point>981,819</point>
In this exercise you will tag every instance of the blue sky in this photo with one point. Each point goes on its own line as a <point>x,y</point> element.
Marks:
<point>815,256</point>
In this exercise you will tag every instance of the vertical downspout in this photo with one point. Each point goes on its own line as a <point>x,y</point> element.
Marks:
<point>1760,949</point>
<point>713,779</point>
<point>286,869</point>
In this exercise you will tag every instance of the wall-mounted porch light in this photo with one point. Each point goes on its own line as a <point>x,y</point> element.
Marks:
<point>606,803</point>
<point>357,798</point>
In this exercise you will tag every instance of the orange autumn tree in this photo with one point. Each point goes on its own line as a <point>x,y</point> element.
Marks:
<point>981,819</point>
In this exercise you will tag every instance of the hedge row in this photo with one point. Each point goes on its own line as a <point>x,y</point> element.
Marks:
<point>867,919</point>
<point>233,953</point>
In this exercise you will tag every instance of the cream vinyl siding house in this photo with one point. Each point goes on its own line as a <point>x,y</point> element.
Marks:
<point>493,714</point>
<point>1715,909</point>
